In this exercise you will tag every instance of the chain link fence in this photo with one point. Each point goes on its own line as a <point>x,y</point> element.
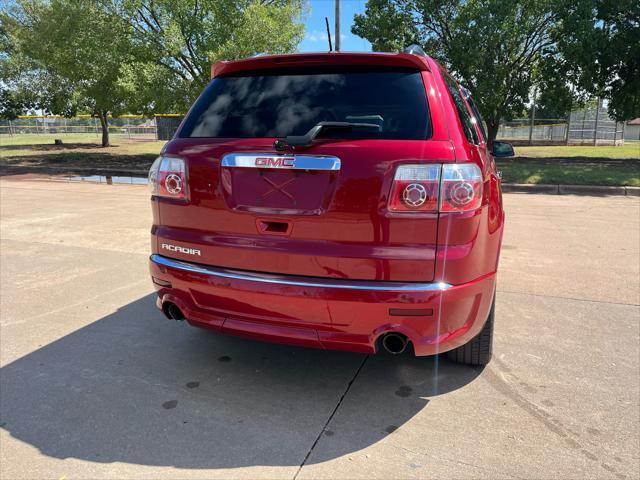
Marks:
<point>85,128</point>
<point>542,129</point>
<point>588,126</point>
<point>593,126</point>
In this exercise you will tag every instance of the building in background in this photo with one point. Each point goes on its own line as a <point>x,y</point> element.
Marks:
<point>632,129</point>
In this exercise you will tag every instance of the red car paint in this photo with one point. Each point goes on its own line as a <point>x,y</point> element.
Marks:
<point>340,230</point>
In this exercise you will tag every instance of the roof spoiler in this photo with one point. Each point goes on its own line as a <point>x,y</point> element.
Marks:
<point>411,57</point>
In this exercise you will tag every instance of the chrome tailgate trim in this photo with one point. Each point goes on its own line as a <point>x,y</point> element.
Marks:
<point>280,162</point>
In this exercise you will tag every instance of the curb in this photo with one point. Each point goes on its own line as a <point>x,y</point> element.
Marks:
<point>570,189</point>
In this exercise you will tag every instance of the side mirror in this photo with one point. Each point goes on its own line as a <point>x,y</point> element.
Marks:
<point>502,149</point>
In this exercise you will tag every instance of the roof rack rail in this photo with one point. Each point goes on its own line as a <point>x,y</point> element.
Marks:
<point>414,49</point>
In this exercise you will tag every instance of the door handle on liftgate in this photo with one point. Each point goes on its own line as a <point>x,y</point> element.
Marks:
<point>271,227</point>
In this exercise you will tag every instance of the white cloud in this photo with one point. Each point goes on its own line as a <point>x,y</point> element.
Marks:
<point>316,36</point>
<point>320,36</point>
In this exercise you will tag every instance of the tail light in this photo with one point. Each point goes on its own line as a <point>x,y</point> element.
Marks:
<point>461,187</point>
<point>429,188</point>
<point>168,178</point>
<point>415,189</point>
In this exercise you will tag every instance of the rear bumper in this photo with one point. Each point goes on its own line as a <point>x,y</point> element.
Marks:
<point>324,312</point>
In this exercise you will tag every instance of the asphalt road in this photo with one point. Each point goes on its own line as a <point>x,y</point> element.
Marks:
<point>95,383</point>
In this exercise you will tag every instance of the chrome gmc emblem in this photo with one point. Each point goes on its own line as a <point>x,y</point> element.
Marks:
<point>275,162</point>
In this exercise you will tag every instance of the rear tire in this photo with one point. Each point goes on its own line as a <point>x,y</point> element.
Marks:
<point>478,350</point>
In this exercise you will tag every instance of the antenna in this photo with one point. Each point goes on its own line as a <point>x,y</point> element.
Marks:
<point>326,20</point>
<point>337,28</point>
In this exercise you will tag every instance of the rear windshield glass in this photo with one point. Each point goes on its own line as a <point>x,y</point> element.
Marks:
<point>278,105</point>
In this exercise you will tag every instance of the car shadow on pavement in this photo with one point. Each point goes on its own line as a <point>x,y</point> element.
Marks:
<point>134,387</point>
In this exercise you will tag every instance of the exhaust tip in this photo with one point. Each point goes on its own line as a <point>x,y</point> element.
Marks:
<point>172,311</point>
<point>394,343</point>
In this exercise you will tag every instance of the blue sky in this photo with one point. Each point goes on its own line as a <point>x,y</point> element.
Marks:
<point>315,39</point>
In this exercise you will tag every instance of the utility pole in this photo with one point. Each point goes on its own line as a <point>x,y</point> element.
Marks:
<point>337,28</point>
<point>566,133</point>
<point>533,116</point>
<point>595,127</point>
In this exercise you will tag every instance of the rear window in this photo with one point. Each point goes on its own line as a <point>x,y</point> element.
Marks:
<point>291,103</point>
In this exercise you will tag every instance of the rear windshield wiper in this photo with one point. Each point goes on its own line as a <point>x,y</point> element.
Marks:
<point>308,138</point>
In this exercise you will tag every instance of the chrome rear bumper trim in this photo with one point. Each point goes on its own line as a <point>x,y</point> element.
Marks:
<point>298,281</point>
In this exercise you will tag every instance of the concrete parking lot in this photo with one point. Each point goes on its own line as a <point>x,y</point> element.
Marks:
<point>95,383</point>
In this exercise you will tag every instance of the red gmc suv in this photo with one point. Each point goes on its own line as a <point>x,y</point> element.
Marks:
<point>343,201</point>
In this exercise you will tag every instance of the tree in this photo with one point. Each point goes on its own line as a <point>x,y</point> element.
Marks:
<point>555,88</point>
<point>180,40</point>
<point>492,46</point>
<point>14,100</point>
<point>601,39</point>
<point>25,86</point>
<point>389,26</point>
<point>81,45</point>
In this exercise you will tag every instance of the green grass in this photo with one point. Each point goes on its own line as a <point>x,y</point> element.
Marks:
<point>628,150</point>
<point>79,154</point>
<point>41,138</point>
<point>43,144</point>
<point>38,139</point>
<point>574,165</point>
<point>625,173</point>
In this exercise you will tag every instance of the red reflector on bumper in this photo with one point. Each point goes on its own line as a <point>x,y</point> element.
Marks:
<point>162,283</point>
